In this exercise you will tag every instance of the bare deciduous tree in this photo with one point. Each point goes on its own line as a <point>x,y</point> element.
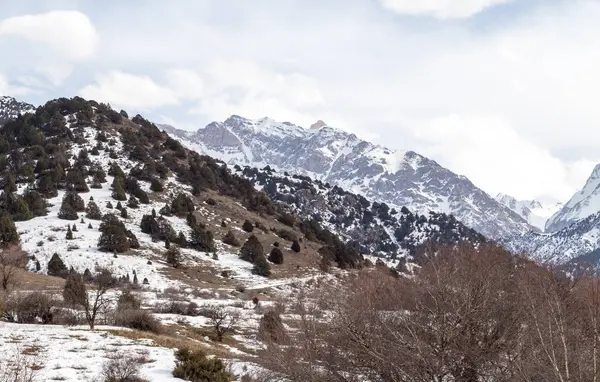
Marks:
<point>12,261</point>
<point>92,298</point>
<point>222,321</point>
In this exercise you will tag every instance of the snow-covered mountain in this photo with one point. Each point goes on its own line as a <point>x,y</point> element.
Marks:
<point>536,213</point>
<point>11,108</point>
<point>583,204</point>
<point>399,178</point>
<point>576,240</point>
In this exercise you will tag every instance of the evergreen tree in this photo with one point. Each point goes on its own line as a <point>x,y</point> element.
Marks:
<point>8,231</point>
<point>74,228</point>
<point>124,213</point>
<point>109,205</point>
<point>182,205</point>
<point>92,211</point>
<point>119,206</point>
<point>173,257</point>
<point>167,243</point>
<point>202,239</point>
<point>153,213</point>
<point>90,226</point>
<point>75,201</point>
<point>261,266</point>
<point>118,192</point>
<point>181,240</point>
<point>56,267</point>
<point>67,212</point>
<point>252,249</point>
<point>87,275</point>
<point>114,237</point>
<point>276,256</point>
<point>135,279</point>
<point>35,202</point>
<point>156,185</point>
<point>69,233</point>
<point>9,183</point>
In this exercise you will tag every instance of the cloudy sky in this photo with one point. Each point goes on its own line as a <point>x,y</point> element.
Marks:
<point>502,91</point>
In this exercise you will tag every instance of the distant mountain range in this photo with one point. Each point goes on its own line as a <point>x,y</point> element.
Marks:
<point>536,213</point>
<point>398,178</point>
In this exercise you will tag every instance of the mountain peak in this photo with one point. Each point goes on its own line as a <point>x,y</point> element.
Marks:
<point>395,177</point>
<point>11,108</point>
<point>582,204</point>
<point>317,125</point>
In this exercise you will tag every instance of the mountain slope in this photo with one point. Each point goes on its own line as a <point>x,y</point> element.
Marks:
<point>577,239</point>
<point>73,146</point>
<point>337,157</point>
<point>533,211</point>
<point>583,204</point>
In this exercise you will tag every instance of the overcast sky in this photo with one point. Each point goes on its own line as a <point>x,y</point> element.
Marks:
<point>502,91</point>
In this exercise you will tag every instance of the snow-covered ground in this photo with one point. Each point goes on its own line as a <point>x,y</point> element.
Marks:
<point>78,354</point>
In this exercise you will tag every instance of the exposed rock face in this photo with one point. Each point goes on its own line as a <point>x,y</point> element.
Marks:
<point>399,178</point>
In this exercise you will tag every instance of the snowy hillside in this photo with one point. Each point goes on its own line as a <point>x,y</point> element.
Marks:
<point>397,178</point>
<point>577,239</point>
<point>375,228</point>
<point>584,203</point>
<point>536,213</point>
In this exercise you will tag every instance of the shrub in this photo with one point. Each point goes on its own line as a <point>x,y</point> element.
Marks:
<point>248,226</point>
<point>296,246</point>
<point>128,300</point>
<point>29,308</point>
<point>195,366</point>
<point>138,319</point>
<point>276,256</point>
<point>271,328</point>
<point>287,219</point>
<point>230,239</point>
<point>251,249</point>
<point>123,367</point>
<point>156,185</point>
<point>261,266</point>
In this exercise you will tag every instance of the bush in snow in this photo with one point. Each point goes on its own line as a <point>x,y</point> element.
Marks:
<point>195,366</point>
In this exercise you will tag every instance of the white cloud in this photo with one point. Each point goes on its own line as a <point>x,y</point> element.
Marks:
<point>128,91</point>
<point>442,9</point>
<point>186,83</point>
<point>498,159</point>
<point>7,89</point>
<point>69,32</point>
<point>245,88</point>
